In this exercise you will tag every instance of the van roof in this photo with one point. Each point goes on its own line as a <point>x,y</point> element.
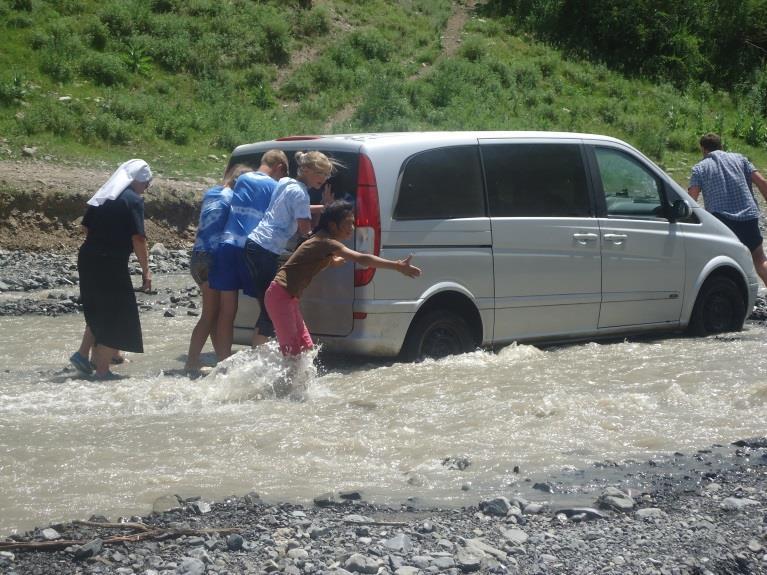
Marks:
<point>372,139</point>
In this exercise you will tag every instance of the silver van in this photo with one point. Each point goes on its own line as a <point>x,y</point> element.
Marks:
<point>521,236</point>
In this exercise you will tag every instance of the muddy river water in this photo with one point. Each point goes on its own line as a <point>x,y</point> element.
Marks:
<point>70,447</point>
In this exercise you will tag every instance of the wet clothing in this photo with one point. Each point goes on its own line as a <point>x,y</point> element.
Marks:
<point>292,334</point>
<point>106,289</point>
<point>229,271</point>
<point>295,275</point>
<point>214,213</point>
<point>200,265</point>
<point>724,179</point>
<point>262,265</point>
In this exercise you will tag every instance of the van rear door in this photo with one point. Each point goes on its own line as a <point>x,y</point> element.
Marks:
<point>327,304</point>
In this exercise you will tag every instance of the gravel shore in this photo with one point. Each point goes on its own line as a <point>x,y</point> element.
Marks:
<point>687,514</point>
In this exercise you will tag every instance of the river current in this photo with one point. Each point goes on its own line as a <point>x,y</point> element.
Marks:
<point>70,447</point>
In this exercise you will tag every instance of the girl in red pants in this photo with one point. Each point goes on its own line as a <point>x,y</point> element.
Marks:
<point>322,249</point>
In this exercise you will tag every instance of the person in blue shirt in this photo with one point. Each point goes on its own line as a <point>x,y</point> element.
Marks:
<point>289,212</point>
<point>214,212</point>
<point>724,179</point>
<point>250,199</point>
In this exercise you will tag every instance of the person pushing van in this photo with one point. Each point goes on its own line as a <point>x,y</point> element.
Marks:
<point>724,179</point>
<point>321,250</point>
<point>250,199</point>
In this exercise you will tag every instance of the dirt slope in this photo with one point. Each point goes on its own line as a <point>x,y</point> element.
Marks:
<point>41,205</point>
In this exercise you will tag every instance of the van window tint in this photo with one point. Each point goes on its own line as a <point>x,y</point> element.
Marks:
<point>630,189</point>
<point>442,183</point>
<point>343,181</point>
<point>535,180</point>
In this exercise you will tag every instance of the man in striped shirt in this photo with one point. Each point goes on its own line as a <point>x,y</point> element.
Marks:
<point>724,179</point>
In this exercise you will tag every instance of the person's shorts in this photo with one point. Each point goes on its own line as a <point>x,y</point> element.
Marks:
<point>199,266</point>
<point>262,265</point>
<point>229,271</point>
<point>747,231</point>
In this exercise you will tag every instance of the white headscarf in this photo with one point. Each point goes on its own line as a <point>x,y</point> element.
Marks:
<point>131,170</point>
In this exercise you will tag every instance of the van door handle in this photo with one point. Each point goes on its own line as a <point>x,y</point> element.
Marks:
<point>584,238</point>
<point>615,238</point>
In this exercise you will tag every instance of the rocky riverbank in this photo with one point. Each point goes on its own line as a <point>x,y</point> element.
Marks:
<point>688,514</point>
<point>47,283</point>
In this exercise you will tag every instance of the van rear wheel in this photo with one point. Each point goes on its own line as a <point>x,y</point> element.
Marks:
<point>719,308</point>
<point>437,334</point>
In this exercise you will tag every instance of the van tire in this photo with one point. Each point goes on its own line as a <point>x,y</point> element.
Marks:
<point>719,308</point>
<point>437,334</point>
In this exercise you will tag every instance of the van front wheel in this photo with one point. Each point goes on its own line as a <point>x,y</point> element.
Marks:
<point>437,334</point>
<point>719,308</point>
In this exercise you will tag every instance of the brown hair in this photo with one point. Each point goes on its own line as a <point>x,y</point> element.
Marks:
<point>711,142</point>
<point>233,172</point>
<point>274,158</point>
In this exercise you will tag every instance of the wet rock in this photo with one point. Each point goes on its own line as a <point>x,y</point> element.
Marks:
<point>545,487</point>
<point>90,549</point>
<point>585,512</point>
<point>650,512</point>
<point>350,495</point>
<point>752,443</point>
<point>459,462</point>
<point>326,500</point>
<point>200,507</point>
<point>616,500</point>
<point>159,249</point>
<point>498,507</point>
<point>165,503</point>
<point>50,534</point>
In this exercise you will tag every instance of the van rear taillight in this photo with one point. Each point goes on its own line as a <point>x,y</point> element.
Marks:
<point>367,220</point>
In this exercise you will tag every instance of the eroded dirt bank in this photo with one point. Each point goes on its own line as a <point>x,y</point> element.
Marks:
<point>41,205</point>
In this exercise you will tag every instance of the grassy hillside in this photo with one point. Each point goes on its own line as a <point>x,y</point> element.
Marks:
<point>181,82</point>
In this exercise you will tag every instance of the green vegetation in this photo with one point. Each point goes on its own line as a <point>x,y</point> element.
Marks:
<point>181,82</point>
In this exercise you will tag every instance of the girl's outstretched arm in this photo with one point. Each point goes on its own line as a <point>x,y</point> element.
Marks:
<point>371,261</point>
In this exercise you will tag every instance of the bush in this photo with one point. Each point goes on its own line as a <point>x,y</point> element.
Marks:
<point>57,66</point>
<point>385,105</point>
<point>96,33</point>
<point>19,21</point>
<point>314,22</point>
<point>104,69</point>
<point>107,128</point>
<point>170,127</point>
<point>371,44</point>
<point>48,116</point>
<point>275,38</point>
<point>12,90</point>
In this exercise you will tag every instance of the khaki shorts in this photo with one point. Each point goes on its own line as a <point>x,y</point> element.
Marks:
<point>199,266</point>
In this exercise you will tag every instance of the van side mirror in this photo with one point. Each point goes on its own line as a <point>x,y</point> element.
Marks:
<point>679,210</point>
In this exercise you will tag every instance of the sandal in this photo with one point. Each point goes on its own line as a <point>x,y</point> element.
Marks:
<point>81,363</point>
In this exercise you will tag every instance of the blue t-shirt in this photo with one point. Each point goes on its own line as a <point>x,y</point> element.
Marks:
<point>724,180</point>
<point>290,202</point>
<point>213,215</point>
<point>250,199</point>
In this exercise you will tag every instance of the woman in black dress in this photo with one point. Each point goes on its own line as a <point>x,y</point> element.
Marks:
<point>115,228</point>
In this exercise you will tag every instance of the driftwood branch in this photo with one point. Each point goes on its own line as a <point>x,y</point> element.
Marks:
<point>146,532</point>
<point>378,523</point>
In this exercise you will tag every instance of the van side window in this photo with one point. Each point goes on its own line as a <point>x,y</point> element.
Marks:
<point>536,180</point>
<point>440,184</point>
<point>630,189</point>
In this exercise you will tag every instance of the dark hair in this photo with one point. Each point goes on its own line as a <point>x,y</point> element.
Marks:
<point>334,212</point>
<point>711,142</point>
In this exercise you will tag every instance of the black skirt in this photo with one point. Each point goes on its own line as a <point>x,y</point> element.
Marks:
<point>108,299</point>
